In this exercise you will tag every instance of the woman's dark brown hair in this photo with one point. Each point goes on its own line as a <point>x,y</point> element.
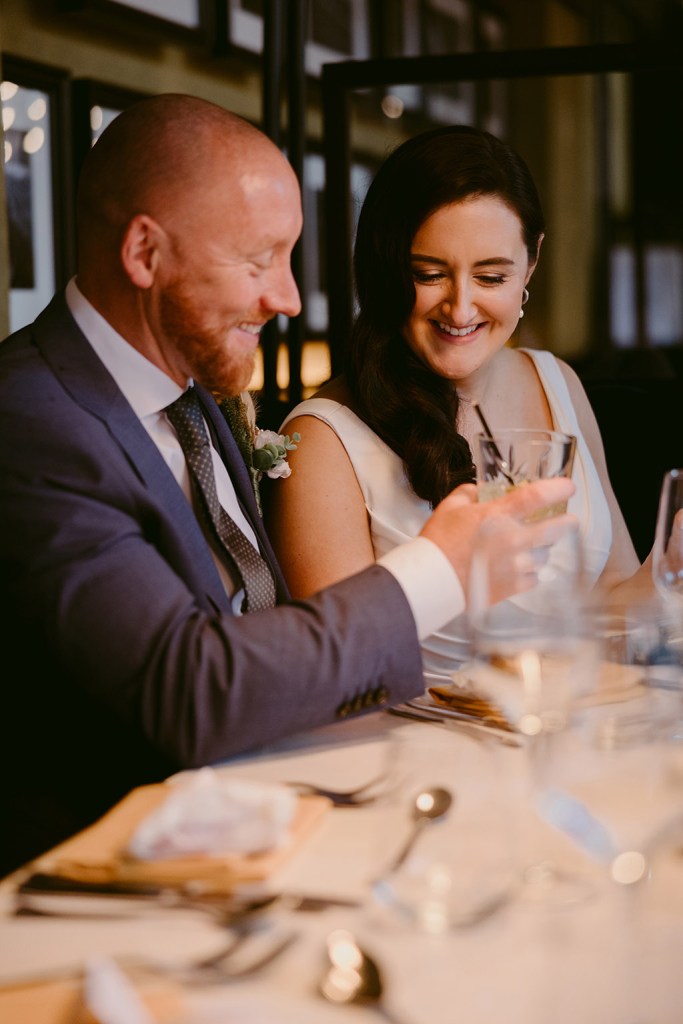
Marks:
<point>411,408</point>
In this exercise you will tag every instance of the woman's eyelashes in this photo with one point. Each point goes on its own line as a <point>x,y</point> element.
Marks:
<point>491,279</point>
<point>428,276</point>
<point>437,276</point>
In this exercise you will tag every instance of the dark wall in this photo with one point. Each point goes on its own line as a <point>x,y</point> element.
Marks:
<point>637,397</point>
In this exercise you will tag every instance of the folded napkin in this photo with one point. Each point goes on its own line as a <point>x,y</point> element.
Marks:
<point>190,830</point>
<point>208,814</point>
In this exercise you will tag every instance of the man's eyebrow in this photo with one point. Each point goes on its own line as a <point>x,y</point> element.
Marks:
<point>491,261</point>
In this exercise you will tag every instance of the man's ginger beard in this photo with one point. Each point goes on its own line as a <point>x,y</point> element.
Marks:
<point>203,346</point>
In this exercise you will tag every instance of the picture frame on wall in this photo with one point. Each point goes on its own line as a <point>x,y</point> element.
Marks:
<point>313,192</point>
<point>314,240</point>
<point>492,101</point>
<point>434,28</point>
<point>337,31</point>
<point>446,28</point>
<point>191,19</point>
<point>245,24</point>
<point>36,120</point>
<point>94,106</point>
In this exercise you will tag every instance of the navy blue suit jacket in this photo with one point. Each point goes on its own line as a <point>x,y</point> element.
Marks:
<point>122,660</point>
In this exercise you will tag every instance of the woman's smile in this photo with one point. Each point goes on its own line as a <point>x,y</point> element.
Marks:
<point>457,332</point>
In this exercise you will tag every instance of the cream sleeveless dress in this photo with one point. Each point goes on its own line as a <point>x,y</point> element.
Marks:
<point>396,514</point>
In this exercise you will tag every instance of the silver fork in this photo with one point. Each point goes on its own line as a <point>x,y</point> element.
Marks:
<point>219,967</point>
<point>207,970</point>
<point>355,797</point>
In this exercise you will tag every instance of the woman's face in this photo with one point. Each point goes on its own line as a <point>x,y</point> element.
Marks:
<point>470,266</point>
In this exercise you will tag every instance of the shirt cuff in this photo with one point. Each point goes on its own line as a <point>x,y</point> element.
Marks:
<point>429,582</point>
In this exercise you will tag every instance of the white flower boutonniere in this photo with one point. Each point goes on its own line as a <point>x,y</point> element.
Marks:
<point>270,453</point>
<point>264,451</point>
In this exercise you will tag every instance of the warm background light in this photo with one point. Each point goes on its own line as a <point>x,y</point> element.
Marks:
<point>315,367</point>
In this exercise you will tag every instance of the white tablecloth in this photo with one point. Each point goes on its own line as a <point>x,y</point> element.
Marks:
<point>601,961</point>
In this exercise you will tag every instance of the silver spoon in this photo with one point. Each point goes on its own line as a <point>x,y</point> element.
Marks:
<point>352,975</point>
<point>430,805</point>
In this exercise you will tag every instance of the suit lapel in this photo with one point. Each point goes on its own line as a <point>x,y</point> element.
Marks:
<point>84,376</point>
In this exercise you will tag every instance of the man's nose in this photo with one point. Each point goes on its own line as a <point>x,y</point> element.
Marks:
<point>282,294</point>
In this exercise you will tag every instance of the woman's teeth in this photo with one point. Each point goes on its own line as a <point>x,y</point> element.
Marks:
<point>458,332</point>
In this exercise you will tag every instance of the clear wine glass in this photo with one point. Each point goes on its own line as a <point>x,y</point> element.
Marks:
<point>667,559</point>
<point>615,784</point>
<point>532,655</point>
<point>614,787</point>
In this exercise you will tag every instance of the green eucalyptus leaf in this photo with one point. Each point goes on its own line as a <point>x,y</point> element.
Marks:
<point>263,459</point>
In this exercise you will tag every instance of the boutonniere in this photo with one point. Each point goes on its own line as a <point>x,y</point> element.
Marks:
<point>264,451</point>
<point>270,453</point>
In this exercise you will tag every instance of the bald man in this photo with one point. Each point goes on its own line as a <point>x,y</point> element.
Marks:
<point>127,643</point>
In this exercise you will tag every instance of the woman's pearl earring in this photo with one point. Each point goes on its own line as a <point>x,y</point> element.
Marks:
<point>525,299</point>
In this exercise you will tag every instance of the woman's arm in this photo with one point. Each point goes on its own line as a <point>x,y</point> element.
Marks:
<point>622,562</point>
<point>316,518</point>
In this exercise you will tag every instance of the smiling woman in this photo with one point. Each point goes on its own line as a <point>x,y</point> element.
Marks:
<point>467,298</point>
<point>448,239</point>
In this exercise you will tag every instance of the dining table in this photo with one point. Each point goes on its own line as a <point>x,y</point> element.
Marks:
<point>614,957</point>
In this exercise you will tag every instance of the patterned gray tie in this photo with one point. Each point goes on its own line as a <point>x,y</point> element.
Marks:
<point>186,416</point>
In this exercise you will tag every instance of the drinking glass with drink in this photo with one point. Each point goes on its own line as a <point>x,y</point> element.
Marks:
<point>515,456</point>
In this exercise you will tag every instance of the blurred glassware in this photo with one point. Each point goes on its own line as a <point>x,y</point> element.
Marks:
<point>459,868</point>
<point>614,787</point>
<point>615,782</point>
<point>533,655</point>
<point>667,561</point>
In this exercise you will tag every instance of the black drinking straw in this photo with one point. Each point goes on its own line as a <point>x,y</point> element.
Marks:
<point>494,447</point>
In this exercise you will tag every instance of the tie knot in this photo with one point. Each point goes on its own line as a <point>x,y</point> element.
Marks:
<point>186,416</point>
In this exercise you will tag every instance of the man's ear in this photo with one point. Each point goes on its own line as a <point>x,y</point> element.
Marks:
<point>140,250</point>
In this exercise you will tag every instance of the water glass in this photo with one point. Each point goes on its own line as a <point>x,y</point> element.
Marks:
<point>667,559</point>
<point>460,867</point>
<point>533,656</point>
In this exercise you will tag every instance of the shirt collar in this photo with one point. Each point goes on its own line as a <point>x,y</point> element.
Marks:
<point>147,389</point>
